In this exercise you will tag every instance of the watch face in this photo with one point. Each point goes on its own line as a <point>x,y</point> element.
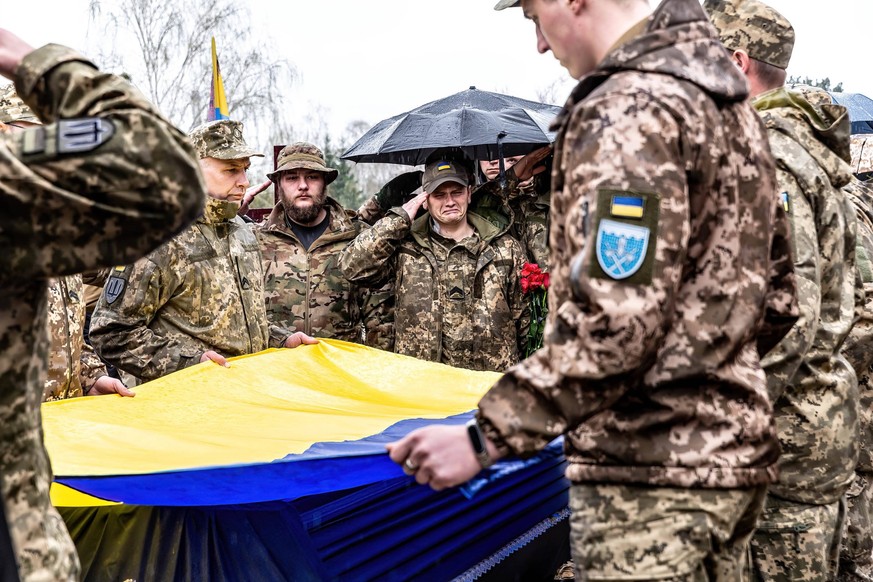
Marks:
<point>476,437</point>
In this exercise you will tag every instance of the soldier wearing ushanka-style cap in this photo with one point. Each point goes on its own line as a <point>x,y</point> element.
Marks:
<point>813,388</point>
<point>201,296</point>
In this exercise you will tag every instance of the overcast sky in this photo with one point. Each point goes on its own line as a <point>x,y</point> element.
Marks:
<point>360,60</point>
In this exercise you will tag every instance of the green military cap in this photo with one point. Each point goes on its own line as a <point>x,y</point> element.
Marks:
<point>507,4</point>
<point>306,156</point>
<point>12,108</point>
<point>221,139</point>
<point>439,172</point>
<point>753,27</point>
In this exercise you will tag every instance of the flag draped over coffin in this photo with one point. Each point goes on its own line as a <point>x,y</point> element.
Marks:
<point>293,437</point>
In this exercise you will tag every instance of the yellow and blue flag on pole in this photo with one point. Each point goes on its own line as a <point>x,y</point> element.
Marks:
<point>217,97</point>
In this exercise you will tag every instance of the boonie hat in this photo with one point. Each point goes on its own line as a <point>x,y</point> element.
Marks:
<point>303,155</point>
<point>12,108</point>
<point>753,27</point>
<point>441,171</point>
<point>221,139</point>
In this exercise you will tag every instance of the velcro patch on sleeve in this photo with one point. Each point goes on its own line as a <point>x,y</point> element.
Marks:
<point>626,235</point>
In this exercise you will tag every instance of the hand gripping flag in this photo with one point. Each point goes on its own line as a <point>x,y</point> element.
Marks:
<point>217,98</point>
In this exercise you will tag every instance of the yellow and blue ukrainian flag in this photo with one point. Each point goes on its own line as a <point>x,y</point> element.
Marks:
<point>217,97</point>
<point>628,206</point>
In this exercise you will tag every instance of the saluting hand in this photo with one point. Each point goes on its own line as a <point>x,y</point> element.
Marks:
<point>250,194</point>
<point>526,168</point>
<point>413,205</point>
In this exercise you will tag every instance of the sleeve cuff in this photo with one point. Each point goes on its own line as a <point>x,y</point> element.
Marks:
<point>493,435</point>
<point>38,63</point>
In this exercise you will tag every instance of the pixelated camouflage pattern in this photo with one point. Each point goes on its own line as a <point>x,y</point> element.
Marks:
<point>754,27</point>
<point>12,108</point>
<point>221,139</point>
<point>857,543</point>
<point>528,211</point>
<point>856,546</point>
<point>64,214</point>
<point>857,347</point>
<point>305,291</point>
<point>203,290</point>
<point>73,366</point>
<point>862,153</point>
<point>815,406</point>
<point>459,303</point>
<point>657,383</point>
<point>626,532</point>
<point>797,541</point>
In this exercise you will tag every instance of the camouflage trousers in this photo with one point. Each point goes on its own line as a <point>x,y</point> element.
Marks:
<point>44,550</point>
<point>628,532</point>
<point>856,551</point>
<point>797,541</point>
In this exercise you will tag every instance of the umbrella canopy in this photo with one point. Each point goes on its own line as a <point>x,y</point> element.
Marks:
<point>860,110</point>
<point>471,120</point>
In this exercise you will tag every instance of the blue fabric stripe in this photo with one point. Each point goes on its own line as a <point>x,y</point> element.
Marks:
<point>627,201</point>
<point>322,468</point>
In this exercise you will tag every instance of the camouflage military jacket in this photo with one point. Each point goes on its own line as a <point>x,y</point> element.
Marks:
<point>68,207</point>
<point>662,212</point>
<point>204,290</point>
<point>459,303</point>
<point>858,348</point>
<point>305,291</point>
<point>73,366</point>
<point>813,388</point>
<point>529,214</point>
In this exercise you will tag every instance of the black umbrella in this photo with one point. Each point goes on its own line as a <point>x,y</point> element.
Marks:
<point>860,110</point>
<point>483,125</point>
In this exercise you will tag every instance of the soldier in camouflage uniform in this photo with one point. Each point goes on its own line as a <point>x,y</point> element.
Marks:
<point>528,205</point>
<point>664,264</point>
<point>200,296</point>
<point>856,553</point>
<point>813,388</point>
<point>300,243</point>
<point>73,369</point>
<point>105,181</point>
<point>456,276</point>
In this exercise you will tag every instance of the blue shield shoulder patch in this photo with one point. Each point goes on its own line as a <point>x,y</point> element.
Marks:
<point>621,248</point>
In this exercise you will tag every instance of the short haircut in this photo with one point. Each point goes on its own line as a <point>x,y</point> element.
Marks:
<point>768,76</point>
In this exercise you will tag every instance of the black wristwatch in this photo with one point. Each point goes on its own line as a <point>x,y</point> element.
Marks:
<point>477,439</point>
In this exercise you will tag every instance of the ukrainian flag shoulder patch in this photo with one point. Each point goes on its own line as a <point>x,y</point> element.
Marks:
<point>627,206</point>
<point>786,202</point>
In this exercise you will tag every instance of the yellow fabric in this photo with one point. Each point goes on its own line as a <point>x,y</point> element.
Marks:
<point>262,408</point>
<point>63,496</point>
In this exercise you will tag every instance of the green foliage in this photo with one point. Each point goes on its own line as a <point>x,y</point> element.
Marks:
<point>820,83</point>
<point>345,188</point>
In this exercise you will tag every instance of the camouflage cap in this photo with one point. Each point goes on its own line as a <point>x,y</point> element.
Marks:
<point>441,171</point>
<point>221,139</point>
<point>303,155</point>
<point>12,108</point>
<point>753,27</point>
<point>507,4</point>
